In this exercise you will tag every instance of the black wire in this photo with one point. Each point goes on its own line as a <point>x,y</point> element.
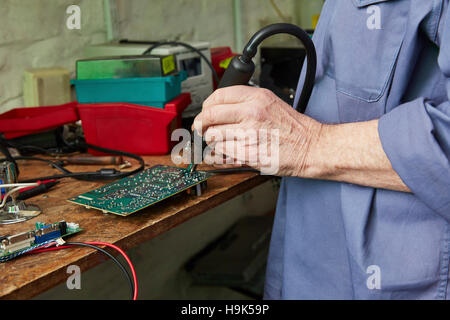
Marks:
<point>232,170</point>
<point>251,48</point>
<point>121,153</point>
<point>117,262</point>
<point>84,176</point>
<point>54,164</point>
<point>5,151</point>
<point>101,175</point>
<point>183,44</point>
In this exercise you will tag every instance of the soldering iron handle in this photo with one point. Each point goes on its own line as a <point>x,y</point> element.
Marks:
<point>237,73</point>
<point>241,68</point>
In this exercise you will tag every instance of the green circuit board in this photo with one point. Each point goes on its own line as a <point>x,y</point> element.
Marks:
<point>141,190</point>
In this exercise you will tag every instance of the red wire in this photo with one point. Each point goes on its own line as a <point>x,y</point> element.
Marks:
<point>99,243</point>
<point>133,272</point>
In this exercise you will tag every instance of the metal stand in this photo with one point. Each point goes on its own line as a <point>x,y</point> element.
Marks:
<point>13,211</point>
<point>18,211</point>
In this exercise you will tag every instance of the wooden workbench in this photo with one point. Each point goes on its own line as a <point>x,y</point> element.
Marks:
<point>28,276</point>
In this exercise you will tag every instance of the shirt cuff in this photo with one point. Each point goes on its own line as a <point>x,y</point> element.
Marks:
<point>410,141</point>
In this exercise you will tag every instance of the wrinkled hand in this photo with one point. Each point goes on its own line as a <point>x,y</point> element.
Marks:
<point>253,127</point>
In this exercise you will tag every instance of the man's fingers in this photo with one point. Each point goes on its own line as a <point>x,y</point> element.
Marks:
<point>219,132</point>
<point>225,106</point>
<point>230,132</point>
<point>215,159</point>
<point>219,115</point>
<point>238,152</point>
<point>229,95</point>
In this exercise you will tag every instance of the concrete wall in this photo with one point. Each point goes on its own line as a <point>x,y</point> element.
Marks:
<point>33,34</point>
<point>210,20</point>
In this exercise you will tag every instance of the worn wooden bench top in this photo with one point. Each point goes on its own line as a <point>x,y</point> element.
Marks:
<point>27,276</point>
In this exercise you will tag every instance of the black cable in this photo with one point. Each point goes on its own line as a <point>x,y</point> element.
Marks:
<point>120,175</point>
<point>138,41</point>
<point>100,175</point>
<point>232,170</point>
<point>5,151</point>
<point>287,28</point>
<point>117,262</point>
<point>54,164</point>
<point>84,176</point>
<point>183,44</point>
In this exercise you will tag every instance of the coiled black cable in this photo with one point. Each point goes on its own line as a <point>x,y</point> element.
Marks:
<point>100,175</point>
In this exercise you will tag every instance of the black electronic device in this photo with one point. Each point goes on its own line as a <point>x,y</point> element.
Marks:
<point>280,70</point>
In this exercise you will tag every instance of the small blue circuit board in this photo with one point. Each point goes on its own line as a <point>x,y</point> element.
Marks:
<point>18,244</point>
<point>47,233</point>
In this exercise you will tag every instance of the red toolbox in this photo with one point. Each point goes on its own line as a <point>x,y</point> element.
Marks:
<point>24,121</point>
<point>132,128</point>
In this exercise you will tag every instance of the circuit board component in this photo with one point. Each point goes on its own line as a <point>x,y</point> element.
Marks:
<point>143,189</point>
<point>15,245</point>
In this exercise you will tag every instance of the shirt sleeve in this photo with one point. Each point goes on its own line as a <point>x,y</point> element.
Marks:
<point>416,137</point>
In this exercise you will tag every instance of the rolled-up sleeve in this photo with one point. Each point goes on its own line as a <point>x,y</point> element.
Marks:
<point>416,138</point>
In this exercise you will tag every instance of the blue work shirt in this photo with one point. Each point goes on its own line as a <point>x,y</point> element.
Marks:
<point>386,60</point>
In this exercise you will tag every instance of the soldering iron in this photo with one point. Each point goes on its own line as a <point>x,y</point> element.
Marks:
<point>241,67</point>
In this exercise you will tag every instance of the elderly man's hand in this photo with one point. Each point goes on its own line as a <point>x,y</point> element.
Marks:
<point>253,127</point>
